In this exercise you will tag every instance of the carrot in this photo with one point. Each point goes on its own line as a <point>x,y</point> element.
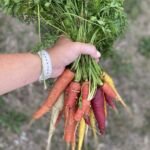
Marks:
<point>66,96</point>
<point>85,90</point>
<point>86,137</point>
<point>59,86</point>
<point>107,79</point>
<point>70,127</point>
<point>93,123</point>
<point>65,109</point>
<point>82,128</point>
<point>98,108</point>
<point>110,102</point>
<point>105,107</point>
<point>74,90</point>
<point>55,112</point>
<point>108,90</point>
<point>85,103</point>
<point>59,117</point>
<point>70,123</point>
<point>87,120</point>
<point>87,116</point>
<point>73,141</point>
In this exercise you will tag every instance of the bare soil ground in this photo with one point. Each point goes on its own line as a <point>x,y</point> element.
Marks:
<point>125,132</point>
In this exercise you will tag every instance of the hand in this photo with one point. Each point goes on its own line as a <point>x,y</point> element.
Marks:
<point>64,52</point>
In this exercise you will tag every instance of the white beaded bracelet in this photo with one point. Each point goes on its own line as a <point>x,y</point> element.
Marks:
<point>46,65</point>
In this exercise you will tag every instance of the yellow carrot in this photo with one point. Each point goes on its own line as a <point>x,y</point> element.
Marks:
<point>93,123</point>
<point>82,128</point>
<point>54,114</point>
<point>107,78</point>
<point>105,107</point>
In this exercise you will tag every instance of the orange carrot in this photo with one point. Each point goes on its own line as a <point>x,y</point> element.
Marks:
<point>59,86</point>
<point>74,90</point>
<point>85,103</point>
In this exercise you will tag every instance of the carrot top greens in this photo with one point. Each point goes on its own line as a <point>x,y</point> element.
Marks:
<point>99,22</point>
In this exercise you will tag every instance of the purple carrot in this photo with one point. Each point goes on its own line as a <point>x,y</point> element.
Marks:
<point>98,109</point>
<point>87,120</point>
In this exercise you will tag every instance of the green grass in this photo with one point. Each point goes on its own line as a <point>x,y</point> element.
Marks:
<point>144,46</point>
<point>11,119</point>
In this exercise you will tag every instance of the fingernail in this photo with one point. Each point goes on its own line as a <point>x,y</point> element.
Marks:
<point>98,54</point>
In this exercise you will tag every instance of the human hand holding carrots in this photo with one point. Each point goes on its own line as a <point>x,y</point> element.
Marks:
<point>65,52</point>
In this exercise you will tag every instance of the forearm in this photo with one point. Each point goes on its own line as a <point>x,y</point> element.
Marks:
<point>17,70</point>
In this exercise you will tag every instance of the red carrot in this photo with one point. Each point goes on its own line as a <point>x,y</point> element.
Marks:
<point>66,96</point>
<point>85,103</point>
<point>74,90</point>
<point>98,108</point>
<point>59,86</point>
<point>108,90</point>
<point>70,127</point>
<point>110,102</point>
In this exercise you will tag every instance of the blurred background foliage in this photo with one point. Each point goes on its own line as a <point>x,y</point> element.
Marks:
<point>144,46</point>
<point>128,64</point>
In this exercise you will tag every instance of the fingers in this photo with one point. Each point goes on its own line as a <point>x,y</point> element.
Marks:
<point>89,49</point>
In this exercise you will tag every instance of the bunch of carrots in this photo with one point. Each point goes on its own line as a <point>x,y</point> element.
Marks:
<point>83,91</point>
<point>70,98</point>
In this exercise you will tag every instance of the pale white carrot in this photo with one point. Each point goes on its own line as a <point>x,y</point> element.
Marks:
<point>54,114</point>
